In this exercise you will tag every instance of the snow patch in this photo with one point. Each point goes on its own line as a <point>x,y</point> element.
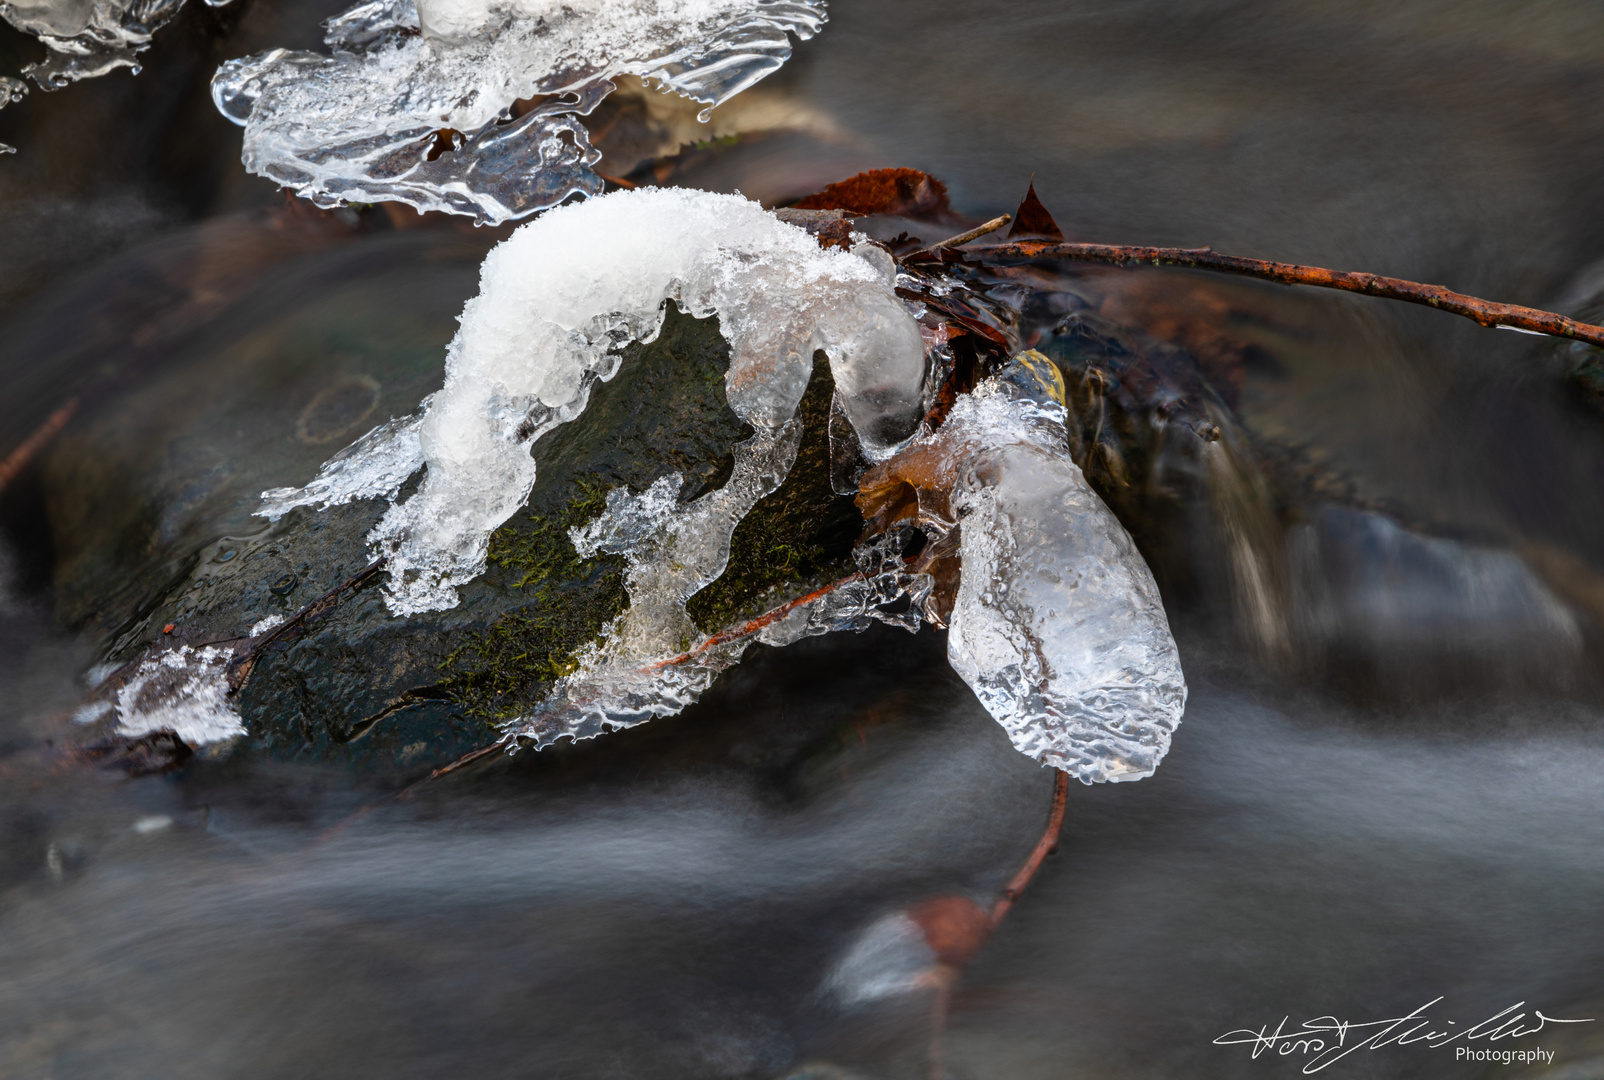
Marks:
<point>557,302</point>
<point>272,622</point>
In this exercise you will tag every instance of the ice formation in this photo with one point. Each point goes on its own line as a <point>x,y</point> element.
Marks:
<point>87,38</point>
<point>1058,626</point>
<point>415,104</point>
<point>557,302</point>
<point>630,675</point>
<point>182,690</point>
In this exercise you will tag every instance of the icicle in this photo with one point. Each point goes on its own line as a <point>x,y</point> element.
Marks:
<point>1058,626</point>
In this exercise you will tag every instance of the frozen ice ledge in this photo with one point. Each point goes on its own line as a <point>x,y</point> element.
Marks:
<point>417,102</point>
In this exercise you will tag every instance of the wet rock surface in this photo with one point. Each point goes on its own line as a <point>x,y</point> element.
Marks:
<point>154,489</point>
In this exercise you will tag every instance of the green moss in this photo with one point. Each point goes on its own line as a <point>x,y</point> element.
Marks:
<point>503,670</point>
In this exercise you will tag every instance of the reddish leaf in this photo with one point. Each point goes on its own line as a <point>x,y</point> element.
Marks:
<point>899,192</point>
<point>1032,221</point>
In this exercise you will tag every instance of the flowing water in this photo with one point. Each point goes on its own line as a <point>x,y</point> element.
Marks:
<point>1417,816</point>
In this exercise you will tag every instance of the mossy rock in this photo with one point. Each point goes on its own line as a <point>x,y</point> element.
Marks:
<point>152,494</point>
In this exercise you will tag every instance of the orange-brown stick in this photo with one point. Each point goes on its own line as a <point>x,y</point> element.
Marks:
<point>1044,846</point>
<point>1485,312</point>
<point>747,629</point>
<point>18,459</point>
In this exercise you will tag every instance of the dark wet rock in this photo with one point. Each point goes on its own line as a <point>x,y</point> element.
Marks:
<point>151,494</point>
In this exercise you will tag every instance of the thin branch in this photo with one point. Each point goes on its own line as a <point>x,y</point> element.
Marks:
<point>18,459</point>
<point>239,668</point>
<point>724,637</point>
<point>973,234</point>
<point>1044,847</point>
<point>1485,312</point>
<point>466,759</point>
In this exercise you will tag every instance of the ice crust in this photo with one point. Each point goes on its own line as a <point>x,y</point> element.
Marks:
<point>406,81</point>
<point>1058,625</point>
<point>184,691</point>
<point>88,38</point>
<point>630,676</point>
<point>557,302</point>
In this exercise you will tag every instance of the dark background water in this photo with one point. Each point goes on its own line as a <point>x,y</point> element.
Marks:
<point>669,901</point>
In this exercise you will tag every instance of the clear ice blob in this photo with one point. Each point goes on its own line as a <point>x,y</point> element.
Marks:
<point>11,92</point>
<point>1057,626</point>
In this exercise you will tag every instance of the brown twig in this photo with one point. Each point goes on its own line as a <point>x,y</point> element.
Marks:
<point>747,629</point>
<point>466,759</point>
<point>957,928</point>
<point>1485,312</point>
<point>239,669</point>
<point>1044,847</point>
<point>973,234</point>
<point>18,459</point>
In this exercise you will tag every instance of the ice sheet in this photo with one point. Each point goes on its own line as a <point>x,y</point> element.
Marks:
<point>414,104</point>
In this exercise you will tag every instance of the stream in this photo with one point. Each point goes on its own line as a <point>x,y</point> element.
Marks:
<point>1409,817</point>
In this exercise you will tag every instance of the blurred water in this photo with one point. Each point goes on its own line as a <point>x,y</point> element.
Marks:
<point>669,901</point>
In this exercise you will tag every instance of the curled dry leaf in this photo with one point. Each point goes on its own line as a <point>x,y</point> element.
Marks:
<point>894,192</point>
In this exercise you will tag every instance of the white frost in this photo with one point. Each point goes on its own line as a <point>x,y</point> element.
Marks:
<point>271,622</point>
<point>184,691</point>
<point>1058,625</point>
<point>557,301</point>
<point>406,82</point>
